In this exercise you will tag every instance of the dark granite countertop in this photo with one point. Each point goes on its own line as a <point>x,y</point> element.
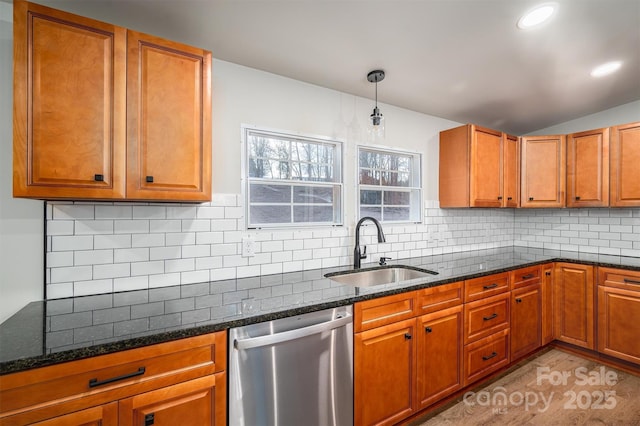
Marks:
<point>54,331</point>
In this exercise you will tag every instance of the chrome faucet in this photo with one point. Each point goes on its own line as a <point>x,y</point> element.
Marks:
<point>357,256</point>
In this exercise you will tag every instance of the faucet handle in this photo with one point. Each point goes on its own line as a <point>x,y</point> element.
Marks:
<point>383,260</point>
<point>364,252</point>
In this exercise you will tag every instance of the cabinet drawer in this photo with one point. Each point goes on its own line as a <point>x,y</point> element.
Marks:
<point>490,285</point>
<point>441,297</point>
<point>485,317</point>
<point>84,383</point>
<point>525,276</point>
<point>619,278</point>
<point>384,310</point>
<point>486,356</point>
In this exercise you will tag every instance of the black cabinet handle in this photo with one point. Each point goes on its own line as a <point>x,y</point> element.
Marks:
<point>490,317</point>
<point>98,178</point>
<point>490,286</point>
<point>518,300</point>
<point>149,419</point>
<point>407,336</point>
<point>629,281</point>
<point>548,273</point>
<point>509,198</point>
<point>487,358</point>
<point>577,198</point>
<point>500,197</point>
<point>526,277</point>
<point>149,179</point>
<point>428,329</point>
<point>95,382</point>
<point>530,198</point>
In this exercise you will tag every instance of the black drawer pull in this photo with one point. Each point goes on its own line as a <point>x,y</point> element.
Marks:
<point>98,178</point>
<point>500,197</point>
<point>487,358</point>
<point>628,281</point>
<point>577,198</point>
<point>95,382</point>
<point>509,198</point>
<point>149,179</point>
<point>530,198</point>
<point>518,300</point>
<point>528,276</point>
<point>490,286</point>
<point>490,317</point>
<point>548,273</point>
<point>428,329</point>
<point>407,336</point>
<point>149,419</point>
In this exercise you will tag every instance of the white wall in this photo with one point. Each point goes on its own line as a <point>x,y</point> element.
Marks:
<point>627,113</point>
<point>21,221</point>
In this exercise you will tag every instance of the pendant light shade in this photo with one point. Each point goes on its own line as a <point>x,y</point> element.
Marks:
<point>376,129</point>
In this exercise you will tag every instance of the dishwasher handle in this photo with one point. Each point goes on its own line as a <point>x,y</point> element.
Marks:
<point>272,339</point>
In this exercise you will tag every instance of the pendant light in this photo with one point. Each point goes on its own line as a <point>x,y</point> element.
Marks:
<point>376,124</point>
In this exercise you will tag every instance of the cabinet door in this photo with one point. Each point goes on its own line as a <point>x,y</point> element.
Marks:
<point>102,415</point>
<point>625,173</point>
<point>547,303</point>
<point>526,320</point>
<point>486,168</point>
<point>195,402</point>
<point>439,358</point>
<point>574,302</point>
<point>510,171</point>
<point>69,105</point>
<point>168,120</point>
<point>384,374</point>
<point>543,171</point>
<point>588,169</point>
<point>619,323</point>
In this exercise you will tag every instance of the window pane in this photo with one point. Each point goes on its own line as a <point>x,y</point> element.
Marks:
<point>395,179</point>
<point>371,197</point>
<point>369,159</point>
<point>369,177</point>
<point>312,213</point>
<point>397,213</point>
<point>312,195</point>
<point>374,212</point>
<point>397,198</point>
<point>270,214</point>
<point>270,193</point>
<point>266,147</point>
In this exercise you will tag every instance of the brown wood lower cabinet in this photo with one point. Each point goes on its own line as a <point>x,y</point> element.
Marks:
<point>439,370</point>
<point>174,382</point>
<point>384,373</point>
<point>619,314</point>
<point>526,320</point>
<point>407,365</point>
<point>574,295</point>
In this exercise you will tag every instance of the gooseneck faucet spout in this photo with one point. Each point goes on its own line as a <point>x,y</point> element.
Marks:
<point>357,255</point>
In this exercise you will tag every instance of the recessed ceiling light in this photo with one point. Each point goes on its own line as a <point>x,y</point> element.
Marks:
<point>536,16</point>
<point>606,69</point>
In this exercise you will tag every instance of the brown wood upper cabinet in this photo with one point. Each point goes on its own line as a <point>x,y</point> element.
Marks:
<point>105,113</point>
<point>478,168</point>
<point>625,173</point>
<point>588,168</point>
<point>543,171</point>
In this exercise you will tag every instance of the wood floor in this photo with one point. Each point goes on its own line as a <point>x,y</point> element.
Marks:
<point>556,388</point>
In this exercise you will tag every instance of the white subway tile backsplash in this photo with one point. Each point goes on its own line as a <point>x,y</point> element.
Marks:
<point>139,245</point>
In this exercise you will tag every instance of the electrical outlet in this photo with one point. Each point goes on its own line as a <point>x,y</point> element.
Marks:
<point>248,246</point>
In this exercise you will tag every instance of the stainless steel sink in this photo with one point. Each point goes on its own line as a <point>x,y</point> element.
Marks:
<point>378,276</point>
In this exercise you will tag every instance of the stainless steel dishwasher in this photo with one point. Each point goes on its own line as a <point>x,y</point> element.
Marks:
<point>293,371</point>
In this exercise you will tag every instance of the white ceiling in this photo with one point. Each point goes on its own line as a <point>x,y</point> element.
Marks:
<point>463,60</point>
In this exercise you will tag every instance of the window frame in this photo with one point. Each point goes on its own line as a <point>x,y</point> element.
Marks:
<point>337,184</point>
<point>416,166</point>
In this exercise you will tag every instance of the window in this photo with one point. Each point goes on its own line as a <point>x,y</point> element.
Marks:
<point>389,185</point>
<point>292,180</point>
